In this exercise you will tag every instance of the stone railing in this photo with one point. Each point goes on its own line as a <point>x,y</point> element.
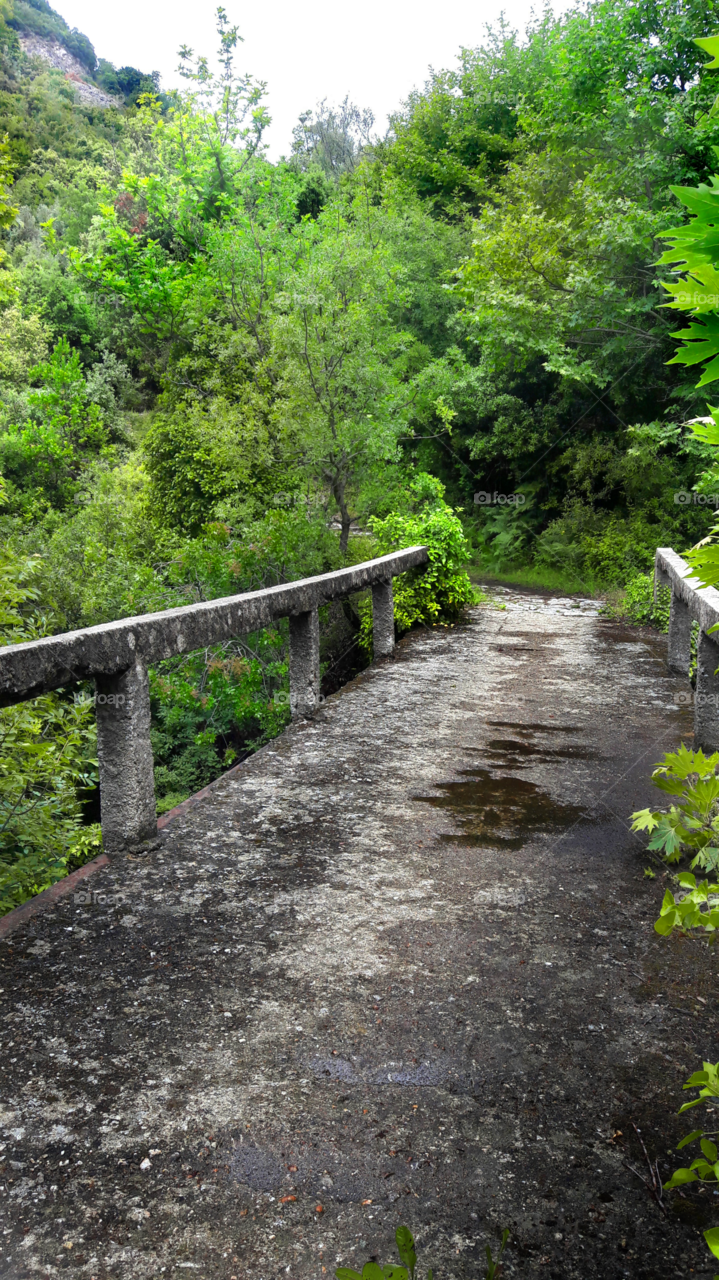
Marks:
<point>116,656</point>
<point>693,603</point>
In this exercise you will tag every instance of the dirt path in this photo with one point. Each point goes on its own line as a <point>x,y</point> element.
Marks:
<point>401,967</point>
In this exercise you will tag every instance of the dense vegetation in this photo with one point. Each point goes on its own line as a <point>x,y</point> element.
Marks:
<point>218,372</point>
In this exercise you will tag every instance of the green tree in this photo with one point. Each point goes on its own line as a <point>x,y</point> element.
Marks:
<point>342,386</point>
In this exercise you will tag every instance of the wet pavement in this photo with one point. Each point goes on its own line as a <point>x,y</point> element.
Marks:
<point>399,968</point>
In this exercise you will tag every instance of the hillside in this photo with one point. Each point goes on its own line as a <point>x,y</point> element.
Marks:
<point>52,52</point>
<point>44,34</point>
<point>59,105</point>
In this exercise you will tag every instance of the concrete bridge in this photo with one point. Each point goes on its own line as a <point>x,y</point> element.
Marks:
<point>398,968</point>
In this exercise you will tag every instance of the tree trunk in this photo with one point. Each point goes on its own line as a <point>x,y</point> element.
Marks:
<point>345,517</point>
<point>345,534</point>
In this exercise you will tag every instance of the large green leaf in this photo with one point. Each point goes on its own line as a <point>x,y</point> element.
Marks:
<point>710,45</point>
<point>712,1238</point>
<point>405,1247</point>
<point>371,1271</point>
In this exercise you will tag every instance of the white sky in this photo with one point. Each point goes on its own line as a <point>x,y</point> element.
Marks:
<point>306,50</point>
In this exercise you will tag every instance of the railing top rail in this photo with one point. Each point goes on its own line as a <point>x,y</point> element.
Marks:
<point>703,602</point>
<point>37,666</point>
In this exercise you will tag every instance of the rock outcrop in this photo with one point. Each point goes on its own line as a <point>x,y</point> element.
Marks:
<point>56,55</point>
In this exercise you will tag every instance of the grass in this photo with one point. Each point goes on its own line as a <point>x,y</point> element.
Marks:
<point>562,581</point>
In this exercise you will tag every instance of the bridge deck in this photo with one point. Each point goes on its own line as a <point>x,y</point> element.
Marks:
<point>400,966</point>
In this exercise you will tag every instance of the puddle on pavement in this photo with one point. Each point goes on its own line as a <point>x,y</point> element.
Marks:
<point>533,728</point>
<point>499,811</point>
<point>517,755</point>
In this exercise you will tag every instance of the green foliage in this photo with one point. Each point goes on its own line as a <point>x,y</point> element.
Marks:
<point>442,590</point>
<point>408,1257</point>
<point>46,760</point>
<point>344,376</point>
<point>64,431</point>
<point>688,828</point>
<point>454,139</point>
<point>328,143</point>
<point>694,253</point>
<point>697,909</point>
<point>104,556</point>
<point>493,1264</point>
<point>201,461</point>
<point>372,1271</point>
<point>692,824</point>
<point>599,112</point>
<point>622,504</point>
<point>705,1168</point>
<point>127,82</point>
<point>643,604</point>
<point>213,706</point>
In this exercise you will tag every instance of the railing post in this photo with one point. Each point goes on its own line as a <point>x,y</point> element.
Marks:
<point>706,698</point>
<point>304,663</point>
<point>680,636</point>
<point>383,619</point>
<point>127,783</point>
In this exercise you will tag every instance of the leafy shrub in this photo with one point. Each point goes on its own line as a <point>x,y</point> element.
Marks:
<point>706,1167</point>
<point>697,909</point>
<point>47,750</point>
<point>691,825</point>
<point>105,558</point>
<point>436,593</point>
<point>638,603</point>
<point>503,535</point>
<point>609,549</point>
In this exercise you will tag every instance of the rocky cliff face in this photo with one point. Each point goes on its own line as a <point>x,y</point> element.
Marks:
<point>56,55</point>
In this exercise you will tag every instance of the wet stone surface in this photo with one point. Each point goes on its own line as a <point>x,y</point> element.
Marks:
<point>399,968</point>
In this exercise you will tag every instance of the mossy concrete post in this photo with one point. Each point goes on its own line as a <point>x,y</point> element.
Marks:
<point>383,619</point>
<point>706,698</point>
<point>127,783</point>
<point>304,663</point>
<point>680,636</point>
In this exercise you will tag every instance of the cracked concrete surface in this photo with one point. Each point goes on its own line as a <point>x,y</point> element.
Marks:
<point>399,968</point>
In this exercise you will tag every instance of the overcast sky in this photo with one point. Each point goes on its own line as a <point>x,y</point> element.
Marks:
<point>376,52</point>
